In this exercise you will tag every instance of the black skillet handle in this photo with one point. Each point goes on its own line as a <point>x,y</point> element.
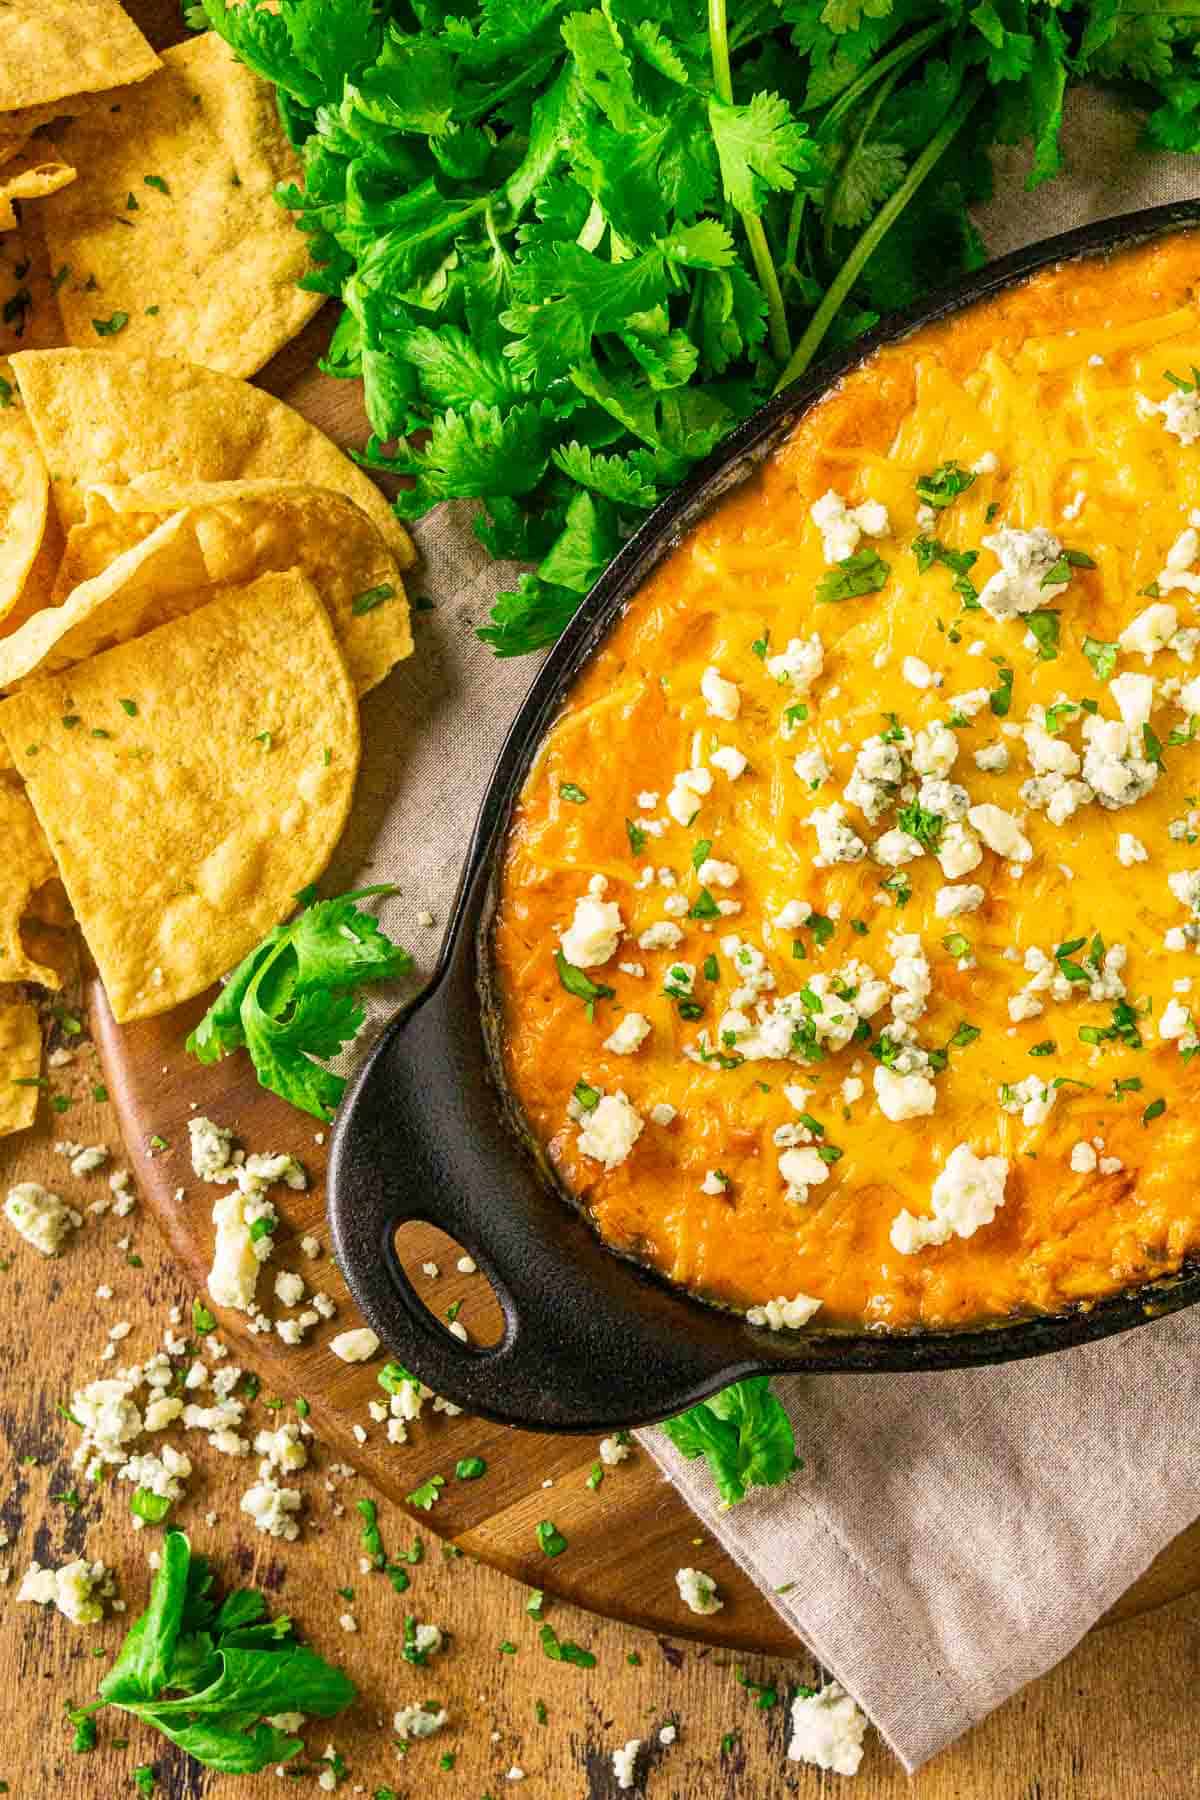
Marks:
<point>589,1343</point>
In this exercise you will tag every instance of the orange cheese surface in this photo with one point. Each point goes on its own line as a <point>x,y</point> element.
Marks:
<point>1040,390</point>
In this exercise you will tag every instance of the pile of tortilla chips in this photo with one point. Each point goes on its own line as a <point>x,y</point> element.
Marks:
<point>196,587</point>
<point>136,206</point>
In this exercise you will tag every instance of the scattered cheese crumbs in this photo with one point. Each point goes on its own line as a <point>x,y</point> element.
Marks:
<point>629,1035</point>
<point>1179,412</point>
<point>359,1345</point>
<point>1083,1158</point>
<point>613,1451</point>
<point>594,932</point>
<point>721,698</point>
<point>799,663</point>
<point>289,1288</point>
<point>841,526</point>
<point>730,761</point>
<point>272,1508</point>
<point>74,1589</point>
<point>1025,558</point>
<point>623,1761</point>
<point>413,1722</point>
<point>828,1730</point>
<point>1000,832</point>
<point>466,1265</point>
<point>1131,850</point>
<point>83,1159</point>
<point>668,1734</point>
<point>611,1131</point>
<point>965,1196</point>
<point>698,1591</point>
<point>784,1314</point>
<point>42,1218</point>
<point>663,1113</point>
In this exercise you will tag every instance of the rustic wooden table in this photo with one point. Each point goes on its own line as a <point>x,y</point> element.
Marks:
<point>1116,1720</point>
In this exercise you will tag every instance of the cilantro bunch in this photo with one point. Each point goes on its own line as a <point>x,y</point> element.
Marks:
<point>576,246</point>
<point>293,999</point>
<point>207,1676</point>
<point>744,1434</point>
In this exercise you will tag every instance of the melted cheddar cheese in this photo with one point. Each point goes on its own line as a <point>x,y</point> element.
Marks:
<point>927,1091</point>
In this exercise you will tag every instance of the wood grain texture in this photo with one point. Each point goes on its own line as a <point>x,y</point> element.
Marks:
<point>1114,1722</point>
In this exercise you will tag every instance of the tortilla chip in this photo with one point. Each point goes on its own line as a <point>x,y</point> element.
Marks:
<point>246,528</point>
<point>26,865</point>
<point>203,263</point>
<point>24,505</point>
<point>20,1065</point>
<point>35,171</point>
<point>102,416</point>
<point>57,47</point>
<point>151,568</point>
<point>184,828</point>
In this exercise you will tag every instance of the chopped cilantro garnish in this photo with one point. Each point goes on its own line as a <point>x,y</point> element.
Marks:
<point>156,181</point>
<point>1000,698</point>
<point>899,886</point>
<point>919,823</point>
<point>550,1539</point>
<point>587,1096</point>
<point>562,1650</point>
<point>149,1506</point>
<point>1044,623</point>
<point>704,906</point>
<point>469,1468</point>
<point>636,836</point>
<point>371,598</point>
<point>572,792</point>
<point>427,1493</point>
<point>109,327</point>
<point>1102,656</point>
<point>202,1320</point>
<point>581,985</point>
<point>700,852</point>
<point>863,573</point>
<point>944,484</point>
<point>1155,1110</point>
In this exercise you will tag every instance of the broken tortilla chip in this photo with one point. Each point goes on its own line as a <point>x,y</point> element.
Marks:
<point>54,48</point>
<point>33,172</point>
<point>24,505</point>
<point>20,1065</point>
<point>101,416</point>
<point>131,596</point>
<point>151,567</point>
<point>190,783</point>
<point>173,228</point>
<point>25,867</point>
<point>246,528</point>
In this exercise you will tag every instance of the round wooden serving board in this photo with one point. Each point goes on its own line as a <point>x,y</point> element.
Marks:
<point>626,1541</point>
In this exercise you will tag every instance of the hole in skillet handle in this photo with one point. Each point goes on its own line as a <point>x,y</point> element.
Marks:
<point>588,1343</point>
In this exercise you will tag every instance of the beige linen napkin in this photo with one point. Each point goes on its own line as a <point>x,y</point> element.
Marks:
<point>952,1535</point>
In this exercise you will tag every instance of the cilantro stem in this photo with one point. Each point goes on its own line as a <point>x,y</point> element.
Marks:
<point>756,236</point>
<point>903,54</point>
<point>860,137</point>
<point>875,233</point>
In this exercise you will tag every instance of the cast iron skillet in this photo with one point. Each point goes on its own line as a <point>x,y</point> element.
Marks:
<point>593,1341</point>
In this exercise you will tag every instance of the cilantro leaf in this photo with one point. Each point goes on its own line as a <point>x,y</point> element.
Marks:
<point>293,999</point>
<point>744,1434</point>
<point>204,1678</point>
<point>863,573</point>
